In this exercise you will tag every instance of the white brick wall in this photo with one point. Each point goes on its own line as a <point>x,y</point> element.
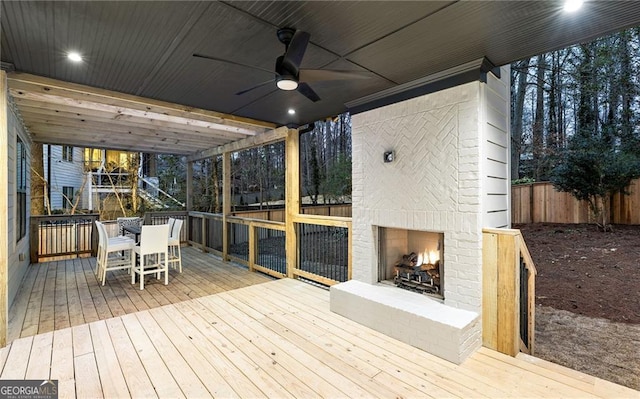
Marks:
<point>436,140</point>
<point>450,175</point>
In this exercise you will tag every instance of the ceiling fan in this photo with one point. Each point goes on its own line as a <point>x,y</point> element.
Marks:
<point>288,74</point>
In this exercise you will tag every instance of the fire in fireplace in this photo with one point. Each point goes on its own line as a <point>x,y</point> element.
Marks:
<point>419,272</point>
<point>412,260</point>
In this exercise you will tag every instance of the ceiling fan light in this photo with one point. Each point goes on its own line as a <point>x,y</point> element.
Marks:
<point>287,83</point>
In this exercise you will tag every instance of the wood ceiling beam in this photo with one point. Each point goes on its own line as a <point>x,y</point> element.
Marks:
<point>69,105</point>
<point>42,108</point>
<point>269,137</point>
<point>65,137</point>
<point>93,125</point>
<point>101,137</point>
<point>40,84</point>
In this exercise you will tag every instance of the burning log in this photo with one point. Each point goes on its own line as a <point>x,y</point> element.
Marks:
<point>410,260</point>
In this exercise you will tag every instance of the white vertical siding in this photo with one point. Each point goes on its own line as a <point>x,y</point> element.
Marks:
<point>16,268</point>
<point>495,142</point>
<point>63,173</point>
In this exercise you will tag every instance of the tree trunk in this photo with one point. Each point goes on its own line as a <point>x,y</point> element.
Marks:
<point>38,182</point>
<point>538,124</point>
<point>519,76</point>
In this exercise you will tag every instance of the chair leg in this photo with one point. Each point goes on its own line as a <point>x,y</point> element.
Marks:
<point>179,259</point>
<point>104,274</point>
<point>133,268</point>
<point>166,268</point>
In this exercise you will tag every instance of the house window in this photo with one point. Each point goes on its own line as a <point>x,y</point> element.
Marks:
<point>67,153</point>
<point>67,197</point>
<point>21,190</point>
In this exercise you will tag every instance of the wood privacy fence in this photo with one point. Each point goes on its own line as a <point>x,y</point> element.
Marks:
<point>541,203</point>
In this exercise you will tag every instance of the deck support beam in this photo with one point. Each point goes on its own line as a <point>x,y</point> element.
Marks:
<point>4,204</point>
<point>292,197</point>
<point>226,202</point>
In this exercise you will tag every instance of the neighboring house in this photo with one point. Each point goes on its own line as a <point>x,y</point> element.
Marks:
<point>64,172</point>
<point>94,174</point>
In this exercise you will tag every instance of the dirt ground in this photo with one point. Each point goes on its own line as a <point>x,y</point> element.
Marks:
<point>588,298</point>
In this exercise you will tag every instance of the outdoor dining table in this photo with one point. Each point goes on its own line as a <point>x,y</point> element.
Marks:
<point>135,230</point>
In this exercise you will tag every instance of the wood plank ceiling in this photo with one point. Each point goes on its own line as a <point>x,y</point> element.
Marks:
<point>144,48</point>
<point>66,113</point>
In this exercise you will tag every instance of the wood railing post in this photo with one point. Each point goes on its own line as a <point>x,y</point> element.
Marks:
<point>34,239</point>
<point>94,236</point>
<point>226,202</point>
<point>500,318</point>
<point>253,246</point>
<point>292,198</point>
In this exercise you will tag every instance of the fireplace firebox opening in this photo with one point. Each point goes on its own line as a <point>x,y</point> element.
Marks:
<point>412,260</point>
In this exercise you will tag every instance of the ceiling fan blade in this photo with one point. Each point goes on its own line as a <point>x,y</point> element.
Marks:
<point>254,87</point>
<point>295,51</point>
<point>209,57</point>
<point>308,92</point>
<point>315,75</point>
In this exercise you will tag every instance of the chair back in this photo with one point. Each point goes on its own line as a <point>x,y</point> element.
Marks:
<point>177,227</point>
<point>170,222</point>
<point>154,239</point>
<point>102,234</point>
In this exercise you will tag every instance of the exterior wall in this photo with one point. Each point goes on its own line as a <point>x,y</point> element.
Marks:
<point>496,150</point>
<point>433,185</point>
<point>63,173</point>
<point>17,249</point>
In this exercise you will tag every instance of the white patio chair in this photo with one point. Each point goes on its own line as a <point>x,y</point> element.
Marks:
<point>175,256</point>
<point>113,253</point>
<point>100,227</point>
<point>170,222</point>
<point>154,240</point>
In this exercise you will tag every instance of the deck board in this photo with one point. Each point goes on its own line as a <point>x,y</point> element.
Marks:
<point>274,339</point>
<point>60,294</point>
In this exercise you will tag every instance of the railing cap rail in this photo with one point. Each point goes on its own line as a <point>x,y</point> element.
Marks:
<point>58,217</point>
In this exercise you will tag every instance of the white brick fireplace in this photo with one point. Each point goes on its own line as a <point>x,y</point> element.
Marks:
<point>449,175</point>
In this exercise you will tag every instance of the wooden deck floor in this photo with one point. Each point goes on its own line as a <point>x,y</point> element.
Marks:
<point>277,339</point>
<point>56,295</point>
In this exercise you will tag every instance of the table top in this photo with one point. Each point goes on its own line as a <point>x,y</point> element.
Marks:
<point>132,229</point>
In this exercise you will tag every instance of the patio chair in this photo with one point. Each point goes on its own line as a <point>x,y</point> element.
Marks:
<point>153,254</point>
<point>170,222</point>
<point>175,256</point>
<point>113,253</point>
<point>128,221</point>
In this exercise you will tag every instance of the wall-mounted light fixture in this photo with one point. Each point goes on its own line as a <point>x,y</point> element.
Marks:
<point>389,156</point>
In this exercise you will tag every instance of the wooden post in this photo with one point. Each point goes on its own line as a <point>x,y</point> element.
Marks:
<point>226,202</point>
<point>253,246</point>
<point>189,201</point>
<point>94,236</point>
<point>500,290</point>
<point>4,205</point>
<point>34,240</point>
<point>349,250</point>
<point>292,197</point>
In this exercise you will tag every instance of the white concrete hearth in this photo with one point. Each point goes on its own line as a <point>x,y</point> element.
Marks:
<point>451,160</point>
<point>412,318</point>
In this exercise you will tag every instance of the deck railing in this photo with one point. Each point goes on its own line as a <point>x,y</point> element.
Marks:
<point>55,236</point>
<point>508,292</point>
<point>322,244</point>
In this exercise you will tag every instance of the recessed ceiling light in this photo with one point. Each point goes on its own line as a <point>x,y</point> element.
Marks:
<point>291,111</point>
<point>74,56</point>
<point>572,5</point>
